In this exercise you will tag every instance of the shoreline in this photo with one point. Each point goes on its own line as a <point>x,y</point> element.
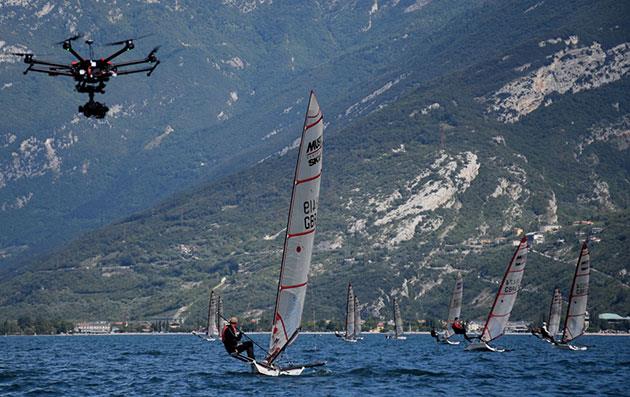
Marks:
<point>267,333</point>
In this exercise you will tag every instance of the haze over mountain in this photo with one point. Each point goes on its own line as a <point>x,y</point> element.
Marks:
<point>450,125</point>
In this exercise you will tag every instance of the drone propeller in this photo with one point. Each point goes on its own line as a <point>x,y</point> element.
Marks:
<point>127,40</point>
<point>151,55</point>
<point>22,54</point>
<point>73,38</point>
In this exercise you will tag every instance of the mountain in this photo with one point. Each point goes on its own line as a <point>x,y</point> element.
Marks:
<point>513,115</point>
<point>226,95</point>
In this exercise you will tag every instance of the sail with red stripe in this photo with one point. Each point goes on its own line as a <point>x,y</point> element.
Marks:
<point>455,306</point>
<point>555,311</point>
<point>506,296</point>
<point>574,324</point>
<point>300,233</point>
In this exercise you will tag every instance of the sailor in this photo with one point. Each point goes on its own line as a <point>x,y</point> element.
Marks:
<point>435,334</point>
<point>231,337</point>
<point>460,329</point>
<point>544,331</point>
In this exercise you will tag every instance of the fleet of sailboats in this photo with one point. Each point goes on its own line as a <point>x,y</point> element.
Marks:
<point>296,260</point>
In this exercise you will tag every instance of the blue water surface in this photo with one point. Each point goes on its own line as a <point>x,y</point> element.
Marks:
<point>184,365</point>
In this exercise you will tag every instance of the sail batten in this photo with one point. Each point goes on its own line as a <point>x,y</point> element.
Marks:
<point>575,321</point>
<point>506,295</point>
<point>300,233</point>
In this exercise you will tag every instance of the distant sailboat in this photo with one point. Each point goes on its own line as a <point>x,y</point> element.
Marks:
<point>553,321</point>
<point>503,301</point>
<point>298,245</point>
<point>575,321</point>
<point>350,334</point>
<point>454,311</point>
<point>398,324</point>
<point>211,333</point>
<point>220,318</point>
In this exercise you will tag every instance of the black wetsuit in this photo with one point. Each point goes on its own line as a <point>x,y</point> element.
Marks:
<point>544,332</point>
<point>231,338</point>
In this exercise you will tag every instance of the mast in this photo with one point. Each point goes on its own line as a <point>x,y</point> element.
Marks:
<point>398,326</point>
<point>220,320</point>
<point>555,311</point>
<point>212,317</point>
<point>357,318</point>
<point>300,233</point>
<point>506,295</point>
<point>455,305</point>
<point>350,313</point>
<point>576,312</point>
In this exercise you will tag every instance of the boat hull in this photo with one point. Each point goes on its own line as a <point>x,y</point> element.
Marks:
<point>401,337</point>
<point>448,342</point>
<point>275,371</point>
<point>566,346</point>
<point>482,347</point>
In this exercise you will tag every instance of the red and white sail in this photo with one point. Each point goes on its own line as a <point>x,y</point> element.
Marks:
<point>350,313</point>
<point>300,233</point>
<point>506,296</point>
<point>574,324</point>
<point>455,305</point>
<point>555,311</point>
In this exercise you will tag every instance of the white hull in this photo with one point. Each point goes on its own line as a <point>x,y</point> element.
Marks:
<point>482,347</point>
<point>566,346</point>
<point>448,342</point>
<point>204,337</point>
<point>349,340</point>
<point>400,337</point>
<point>273,371</point>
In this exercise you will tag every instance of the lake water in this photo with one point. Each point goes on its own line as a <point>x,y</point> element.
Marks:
<point>169,365</point>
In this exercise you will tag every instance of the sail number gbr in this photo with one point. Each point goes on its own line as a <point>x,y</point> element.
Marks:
<point>310,214</point>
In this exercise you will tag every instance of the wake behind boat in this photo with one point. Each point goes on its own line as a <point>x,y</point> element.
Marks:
<point>503,301</point>
<point>298,246</point>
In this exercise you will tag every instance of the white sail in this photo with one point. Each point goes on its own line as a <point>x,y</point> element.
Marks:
<point>350,313</point>
<point>220,320</point>
<point>212,331</point>
<point>455,306</point>
<point>300,233</point>
<point>506,296</point>
<point>574,324</point>
<point>357,318</point>
<point>397,319</point>
<point>555,311</point>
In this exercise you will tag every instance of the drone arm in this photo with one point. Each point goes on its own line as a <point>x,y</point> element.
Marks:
<point>147,69</point>
<point>131,63</point>
<point>73,52</point>
<point>126,48</point>
<point>49,72</point>
<point>33,62</point>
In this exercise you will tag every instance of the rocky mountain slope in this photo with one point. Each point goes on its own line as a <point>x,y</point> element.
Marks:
<point>430,171</point>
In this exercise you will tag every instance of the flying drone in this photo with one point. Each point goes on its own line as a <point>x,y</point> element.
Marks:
<point>91,74</point>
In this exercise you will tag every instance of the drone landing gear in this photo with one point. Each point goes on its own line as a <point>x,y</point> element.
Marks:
<point>93,108</point>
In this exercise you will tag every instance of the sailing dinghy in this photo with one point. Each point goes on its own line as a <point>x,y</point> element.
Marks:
<point>454,311</point>
<point>555,311</point>
<point>211,333</point>
<point>575,321</point>
<point>503,301</point>
<point>298,246</point>
<point>350,334</point>
<point>398,325</point>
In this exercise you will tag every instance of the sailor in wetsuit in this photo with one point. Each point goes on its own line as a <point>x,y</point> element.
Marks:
<point>435,334</point>
<point>460,329</point>
<point>231,337</point>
